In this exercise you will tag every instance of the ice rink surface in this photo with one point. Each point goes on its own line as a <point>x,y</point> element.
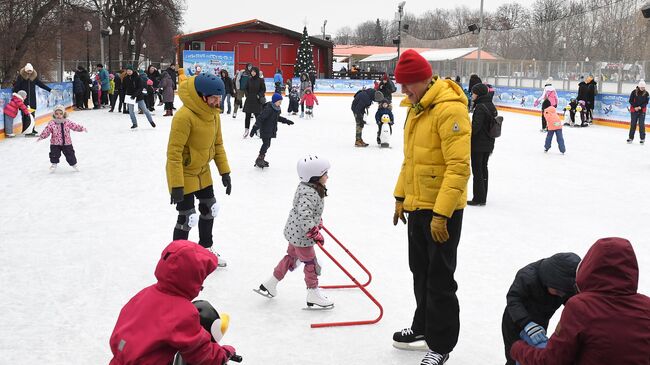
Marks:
<point>75,246</point>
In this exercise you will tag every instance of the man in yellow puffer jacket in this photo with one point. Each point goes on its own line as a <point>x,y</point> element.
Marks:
<point>432,190</point>
<point>194,141</point>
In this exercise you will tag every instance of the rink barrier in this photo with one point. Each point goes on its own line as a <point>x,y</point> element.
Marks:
<point>356,285</point>
<point>61,95</point>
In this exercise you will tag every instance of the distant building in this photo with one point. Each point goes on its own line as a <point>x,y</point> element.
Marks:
<point>265,45</point>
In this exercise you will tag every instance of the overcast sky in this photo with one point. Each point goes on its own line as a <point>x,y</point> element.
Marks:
<point>206,14</point>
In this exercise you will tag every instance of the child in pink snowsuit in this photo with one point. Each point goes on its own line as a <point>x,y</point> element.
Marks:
<point>60,128</point>
<point>302,230</point>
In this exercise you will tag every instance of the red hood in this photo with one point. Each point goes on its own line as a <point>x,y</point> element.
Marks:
<point>610,267</point>
<point>183,267</point>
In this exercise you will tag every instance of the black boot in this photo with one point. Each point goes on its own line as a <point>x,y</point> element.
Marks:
<point>259,161</point>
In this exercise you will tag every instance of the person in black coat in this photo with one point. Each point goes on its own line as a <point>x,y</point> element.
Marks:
<point>267,122</point>
<point>539,289</point>
<point>387,88</point>
<point>230,90</point>
<point>84,75</point>
<point>27,80</point>
<point>79,89</point>
<point>473,80</point>
<point>360,104</point>
<point>587,91</point>
<point>638,107</point>
<point>482,143</point>
<point>255,89</point>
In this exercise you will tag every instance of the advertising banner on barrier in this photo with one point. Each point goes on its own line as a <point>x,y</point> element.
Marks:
<point>334,86</point>
<point>61,94</point>
<point>608,106</point>
<point>211,62</point>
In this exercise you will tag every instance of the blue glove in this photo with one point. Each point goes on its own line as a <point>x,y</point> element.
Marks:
<point>535,333</point>
<point>524,336</point>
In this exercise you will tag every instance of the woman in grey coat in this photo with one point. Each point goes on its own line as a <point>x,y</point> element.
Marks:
<point>167,87</point>
<point>304,85</point>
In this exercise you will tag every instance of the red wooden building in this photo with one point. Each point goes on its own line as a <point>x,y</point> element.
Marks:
<point>265,45</point>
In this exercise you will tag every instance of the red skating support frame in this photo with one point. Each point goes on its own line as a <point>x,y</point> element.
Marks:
<point>356,285</point>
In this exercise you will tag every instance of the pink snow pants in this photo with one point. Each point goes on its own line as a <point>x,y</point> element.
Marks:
<point>289,262</point>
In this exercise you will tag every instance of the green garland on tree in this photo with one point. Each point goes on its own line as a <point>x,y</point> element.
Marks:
<point>305,58</point>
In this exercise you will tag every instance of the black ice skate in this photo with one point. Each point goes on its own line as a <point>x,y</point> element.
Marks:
<point>434,358</point>
<point>406,339</point>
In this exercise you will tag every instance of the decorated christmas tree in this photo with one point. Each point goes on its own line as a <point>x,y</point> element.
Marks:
<point>305,59</point>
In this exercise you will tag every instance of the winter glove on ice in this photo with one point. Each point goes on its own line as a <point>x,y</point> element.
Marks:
<point>315,235</point>
<point>177,195</point>
<point>225,180</point>
<point>439,229</point>
<point>399,213</point>
<point>536,333</point>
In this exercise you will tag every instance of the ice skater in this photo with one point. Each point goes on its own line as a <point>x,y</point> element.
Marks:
<point>308,99</point>
<point>383,109</point>
<point>16,103</point>
<point>195,141</point>
<point>294,100</point>
<point>59,128</point>
<point>267,123</point>
<point>302,230</point>
<point>554,125</point>
<point>539,289</point>
<point>548,98</point>
<point>638,106</point>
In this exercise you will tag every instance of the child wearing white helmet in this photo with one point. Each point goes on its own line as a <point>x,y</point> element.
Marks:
<point>302,230</point>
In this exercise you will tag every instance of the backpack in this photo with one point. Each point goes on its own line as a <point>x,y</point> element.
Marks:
<point>494,126</point>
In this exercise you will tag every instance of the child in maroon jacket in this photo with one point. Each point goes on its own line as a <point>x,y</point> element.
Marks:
<point>11,110</point>
<point>60,128</point>
<point>607,322</point>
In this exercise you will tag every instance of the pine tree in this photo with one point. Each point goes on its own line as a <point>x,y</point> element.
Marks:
<point>305,58</point>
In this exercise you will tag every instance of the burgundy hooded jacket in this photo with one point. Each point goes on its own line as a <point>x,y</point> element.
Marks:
<point>161,320</point>
<point>607,322</point>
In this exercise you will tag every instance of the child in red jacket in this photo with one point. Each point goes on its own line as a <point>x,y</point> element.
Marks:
<point>161,320</point>
<point>11,110</point>
<point>309,98</point>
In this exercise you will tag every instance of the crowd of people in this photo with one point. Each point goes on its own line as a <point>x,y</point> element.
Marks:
<point>604,320</point>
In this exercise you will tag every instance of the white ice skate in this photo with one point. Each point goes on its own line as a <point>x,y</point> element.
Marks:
<point>220,262</point>
<point>316,300</point>
<point>76,167</point>
<point>246,133</point>
<point>269,288</point>
<point>52,168</point>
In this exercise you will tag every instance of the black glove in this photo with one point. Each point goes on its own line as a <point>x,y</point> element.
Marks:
<point>177,195</point>
<point>288,122</point>
<point>225,179</point>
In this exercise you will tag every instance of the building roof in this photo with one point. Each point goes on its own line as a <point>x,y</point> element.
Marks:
<point>253,24</point>
<point>433,55</point>
<point>350,49</point>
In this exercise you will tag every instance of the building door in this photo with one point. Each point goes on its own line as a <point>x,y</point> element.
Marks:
<point>245,53</point>
<point>267,59</point>
<point>288,54</point>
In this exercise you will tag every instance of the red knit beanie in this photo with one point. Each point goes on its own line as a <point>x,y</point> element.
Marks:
<point>411,68</point>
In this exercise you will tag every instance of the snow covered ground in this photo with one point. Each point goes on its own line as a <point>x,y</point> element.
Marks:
<point>74,247</point>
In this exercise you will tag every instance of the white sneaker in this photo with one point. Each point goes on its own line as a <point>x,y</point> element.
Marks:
<point>220,262</point>
<point>53,168</point>
<point>10,135</point>
<point>316,297</point>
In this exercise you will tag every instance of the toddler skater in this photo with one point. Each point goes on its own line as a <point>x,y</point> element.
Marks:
<point>294,100</point>
<point>384,109</point>
<point>554,126</point>
<point>302,230</point>
<point>16,103</point>
<point>539,289</point>
<point>60,128</point>
<point>309,98</point>
<point>267,123</point>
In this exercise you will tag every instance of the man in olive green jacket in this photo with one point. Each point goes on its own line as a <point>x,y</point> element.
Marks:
<point>194,141</point>
<point>432,189</point>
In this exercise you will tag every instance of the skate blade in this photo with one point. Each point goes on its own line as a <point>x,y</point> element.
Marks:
<point>263,293</point>
<point>384,145</point>
<point>420,345</point>
<point>221,264</point>
<point>316,307</point>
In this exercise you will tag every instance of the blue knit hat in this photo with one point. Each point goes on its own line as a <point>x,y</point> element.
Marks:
<point>276,97</point>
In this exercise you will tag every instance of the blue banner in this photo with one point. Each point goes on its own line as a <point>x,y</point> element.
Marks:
<point>334,86</point>
<point>61,94</point>
<point>211,62</point>
<point>608,106</point>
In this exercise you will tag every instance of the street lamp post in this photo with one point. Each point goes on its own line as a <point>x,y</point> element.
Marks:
<point>480,41</point>
<point>119,47</point>
<point>88,27</point>
<point>400,13</point>
<point>107,33</point>
<point>144,47</point>
<point>133,50</point>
